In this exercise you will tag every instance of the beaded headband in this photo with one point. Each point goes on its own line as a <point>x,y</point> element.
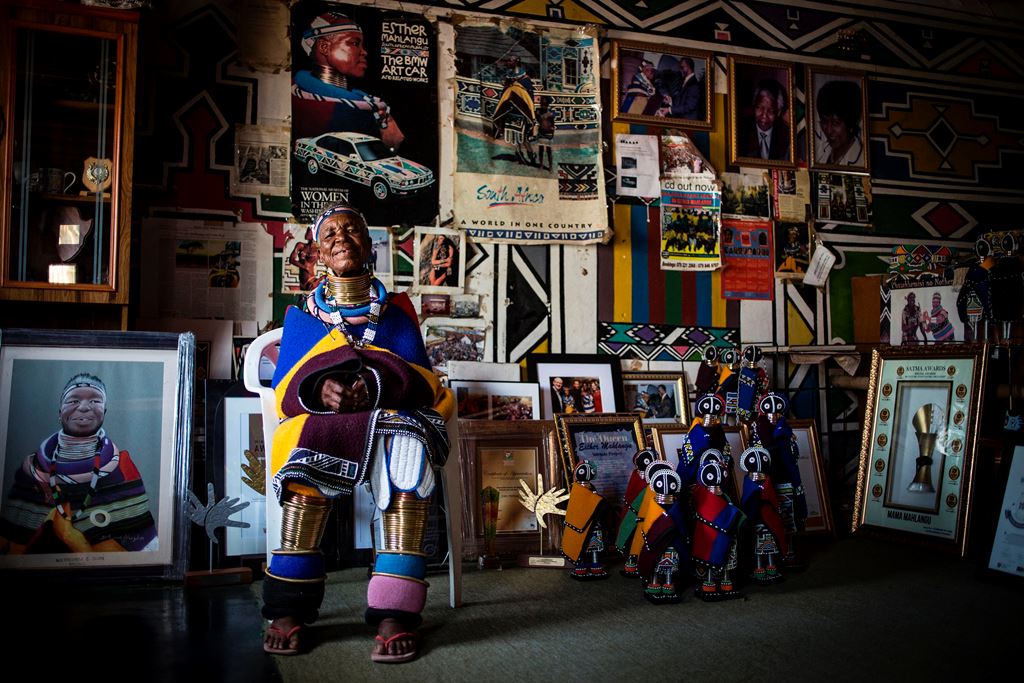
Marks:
<point>327,24</point>
<point>84,380</point>
<point>331,212</point>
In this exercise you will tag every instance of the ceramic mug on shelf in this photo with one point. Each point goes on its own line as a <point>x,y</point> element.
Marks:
<point>52,180</point>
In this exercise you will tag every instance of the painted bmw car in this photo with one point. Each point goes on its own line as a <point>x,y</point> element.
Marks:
<point>365,160</point>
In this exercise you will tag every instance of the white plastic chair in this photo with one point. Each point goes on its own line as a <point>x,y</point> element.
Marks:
<point>451,480</point>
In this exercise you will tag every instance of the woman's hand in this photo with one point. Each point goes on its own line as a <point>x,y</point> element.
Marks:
<point>342,398</point>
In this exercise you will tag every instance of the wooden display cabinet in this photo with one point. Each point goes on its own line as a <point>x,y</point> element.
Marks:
<point>67,88</point>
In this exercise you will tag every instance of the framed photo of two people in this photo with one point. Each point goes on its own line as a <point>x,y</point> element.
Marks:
<point>661,85</point>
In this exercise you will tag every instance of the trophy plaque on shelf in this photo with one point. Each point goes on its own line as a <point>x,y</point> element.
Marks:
<point>541,503</point>
<point>97,175</point>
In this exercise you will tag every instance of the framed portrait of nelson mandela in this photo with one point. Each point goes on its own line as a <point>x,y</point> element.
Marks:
<point>95,429</point>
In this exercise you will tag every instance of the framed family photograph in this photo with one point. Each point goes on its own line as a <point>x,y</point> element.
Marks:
<point>656,396</point>
<point>837,112</point>
<point>448,339</point>
<point>661,85</point>
<point>761,119</point>
<point>916,466</point>
<point>576,383</point>
<point>609,442</point>
<point>499,462</point>
<point>440,259</point>
<point>496,400</point>
<point>812,476</point>
<point>96,434</point>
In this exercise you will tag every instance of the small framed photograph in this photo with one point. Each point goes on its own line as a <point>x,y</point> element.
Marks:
<point>455,339</point>
<point>381,254</point>
<point>435,305</point>
<point>661,85</point>
<point>466,306</point>
<point>1005,557</point>
<point>837,112</point>
<point>576,383</point>
<point>812,476</point>
<point>609,442</point>
<point>656,396</point>
<point>440,258</point>
<point>245,463</point>
<point>668,441</point>
<point>919,314</point>
<point>761,118</point>
<point>916,468</point>
<point>102,491</point>
<point>504,457</point>
<point>496,400</point>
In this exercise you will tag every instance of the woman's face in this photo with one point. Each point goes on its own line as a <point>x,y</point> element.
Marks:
<point>81,413</point>
<point>344,244</point>
<point>835,131</point>
<point>345,54</point>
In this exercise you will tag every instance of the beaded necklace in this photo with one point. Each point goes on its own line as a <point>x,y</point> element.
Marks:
<point>326,302</point>
<point>58,495</point>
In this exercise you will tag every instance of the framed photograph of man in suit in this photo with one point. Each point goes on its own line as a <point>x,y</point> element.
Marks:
<point>761,122</point>
<point>661,85</point>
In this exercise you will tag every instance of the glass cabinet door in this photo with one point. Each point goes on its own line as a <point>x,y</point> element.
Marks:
<point>63,121</point>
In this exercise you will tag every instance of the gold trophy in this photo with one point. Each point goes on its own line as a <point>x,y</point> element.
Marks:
<point>926,440</point>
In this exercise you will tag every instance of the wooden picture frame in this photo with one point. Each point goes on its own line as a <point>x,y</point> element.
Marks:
<point>917,463</point>
<point>501,401</point>
<point>480,440</point>
<point>561,369</point>
<point>145,393</point>
<point>837,115</point>
<point>667,440</point>
<point>609,442</point>
<point>761,97</point>
<point>812,475</point>
<point>653,410</point>
<point>662,85</point>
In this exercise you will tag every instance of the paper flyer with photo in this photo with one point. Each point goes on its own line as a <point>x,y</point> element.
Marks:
<point>528,134</point>
<point>844,198</point>
<point>792,249</point>
<point>745,194</point>
<point>364,113</point>
<point>690,223</point>
<point>791,194</point>
<point>747,266</point>
<point>637,160</point>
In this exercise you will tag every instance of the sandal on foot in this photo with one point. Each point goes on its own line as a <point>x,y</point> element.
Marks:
<point>385,658</point>
<point>287,637</point>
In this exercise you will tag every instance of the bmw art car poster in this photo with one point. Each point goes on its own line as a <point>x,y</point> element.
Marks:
<point>528,134</point>
<point>364,112</point>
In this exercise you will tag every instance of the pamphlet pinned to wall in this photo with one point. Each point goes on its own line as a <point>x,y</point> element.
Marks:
<point>821,265</point>
<point>637,161</point>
